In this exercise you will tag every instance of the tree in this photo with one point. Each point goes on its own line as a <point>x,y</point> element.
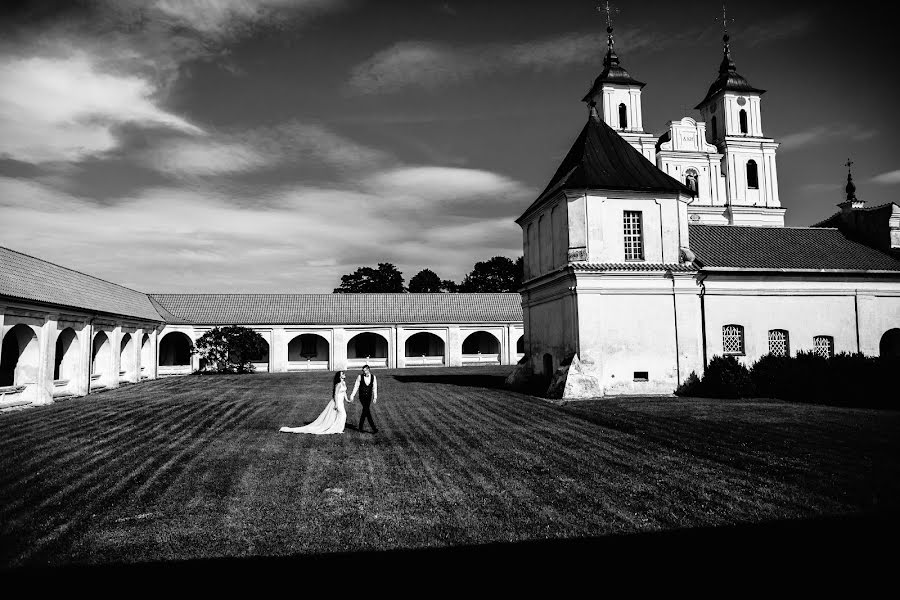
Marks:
<point>230,349</point>
<point>425,281</point>
<point>385,279</point>
<point>498,274</point>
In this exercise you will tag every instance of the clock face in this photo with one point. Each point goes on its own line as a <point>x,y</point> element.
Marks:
<point>741,101</point>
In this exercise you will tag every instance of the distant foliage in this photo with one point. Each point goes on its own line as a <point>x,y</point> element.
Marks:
<point>843,380</point>
<point>499,274</point>
<point>230,349</point>
<point>385,279</point>
<point>427,281</point>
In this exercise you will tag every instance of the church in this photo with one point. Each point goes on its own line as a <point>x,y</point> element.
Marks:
<point>645,257</point>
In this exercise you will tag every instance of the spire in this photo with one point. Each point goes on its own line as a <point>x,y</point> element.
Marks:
<point>729,79</point>
<point>727,66</point>
<point>612,72</point>
<point>851,188</point>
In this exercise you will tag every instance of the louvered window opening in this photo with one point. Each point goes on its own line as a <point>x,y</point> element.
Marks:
<point>733,339</point>
<point>778,342</point>
<point>823,345</point>
<point>634,238</point>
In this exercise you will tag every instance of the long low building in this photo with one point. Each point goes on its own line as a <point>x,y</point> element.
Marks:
<point>65,333</point>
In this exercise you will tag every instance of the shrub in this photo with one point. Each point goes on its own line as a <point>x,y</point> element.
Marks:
<point>690,387</point>
<point>770,374</point>
<point>725,377</point>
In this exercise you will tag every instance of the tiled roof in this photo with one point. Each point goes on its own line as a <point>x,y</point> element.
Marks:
<point>337,309</point>
<point>808,248</point>
<point>630,266</point>
<point>28,278</point>
<point>601,159</point>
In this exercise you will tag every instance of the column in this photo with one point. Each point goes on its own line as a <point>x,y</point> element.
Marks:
<point>47,347</point>
<point>339,349</point>
<point>279,354</point>
<point>454,346</point>
<point>399,337</point>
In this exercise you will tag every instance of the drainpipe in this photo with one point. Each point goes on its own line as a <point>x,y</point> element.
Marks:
<point>701,278</point>
<point>856,318</point>
<point>675,317</point>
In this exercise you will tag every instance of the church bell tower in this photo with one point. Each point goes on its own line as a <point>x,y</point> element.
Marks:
<point>618,96</point>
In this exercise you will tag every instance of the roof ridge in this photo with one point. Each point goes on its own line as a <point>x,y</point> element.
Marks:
<point>758,227</point>
<point>74,271</point>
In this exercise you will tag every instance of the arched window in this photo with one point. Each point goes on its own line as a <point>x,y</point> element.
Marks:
<point>715,130</point>
<point>733,339</point>
<point>752,175</point>
<point>742,117</point>
<point>823,345</point>
<point>778,343</point>
<point>623,117</point>
<point>690,179</point>
<point>889,346</point>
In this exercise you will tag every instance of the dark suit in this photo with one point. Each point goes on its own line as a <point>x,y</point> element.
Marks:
<point>365,398</point>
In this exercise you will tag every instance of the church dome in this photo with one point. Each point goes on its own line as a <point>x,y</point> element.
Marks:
<point>729,79</point>
<point>612,72</point>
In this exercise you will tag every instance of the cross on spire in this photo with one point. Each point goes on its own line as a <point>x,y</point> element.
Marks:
<point>848,164</point>
<point>725,20</point>
<point>609,10</point>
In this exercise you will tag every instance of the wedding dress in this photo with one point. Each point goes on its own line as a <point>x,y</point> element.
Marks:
<point>332,419</point>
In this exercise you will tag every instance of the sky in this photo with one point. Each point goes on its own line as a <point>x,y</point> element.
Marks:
<point>274,145</point>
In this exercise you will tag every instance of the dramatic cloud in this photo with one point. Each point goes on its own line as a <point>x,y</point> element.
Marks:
<point>228,17</point>
<point>889,178</point>
<point>64,109</point>
<point>431,65</point>
<point>823,133</point>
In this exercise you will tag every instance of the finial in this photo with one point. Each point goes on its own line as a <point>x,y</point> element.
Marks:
<point>851,188</point>
<point>727,64</point>
<point>609,10</point>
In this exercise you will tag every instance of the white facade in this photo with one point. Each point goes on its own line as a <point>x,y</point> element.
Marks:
<point>622,102</point>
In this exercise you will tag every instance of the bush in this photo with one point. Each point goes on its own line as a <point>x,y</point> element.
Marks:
<point>230,349</point>
<point>770,374</point>
<point>690,387</point>
<point>726,377</point>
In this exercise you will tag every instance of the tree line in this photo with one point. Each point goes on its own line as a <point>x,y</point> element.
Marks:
<point>499,274</point>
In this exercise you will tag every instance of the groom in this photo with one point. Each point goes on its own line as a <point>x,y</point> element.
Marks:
<point>367,386</point>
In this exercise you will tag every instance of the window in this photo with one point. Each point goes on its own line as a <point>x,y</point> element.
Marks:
<point>623,117</point>
<point>752,175</point>
<point>690,179</point>
<point>823,345</point>
<point>634,238</point>
<point>743,119</point>
<point>641,376</point>
<point>778,343</point>
<point>733,339</point>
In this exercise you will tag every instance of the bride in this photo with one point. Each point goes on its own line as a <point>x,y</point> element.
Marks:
<point>334,417</point>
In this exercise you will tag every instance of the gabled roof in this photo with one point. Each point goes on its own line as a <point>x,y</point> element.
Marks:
<point>601,159</point>
<point>788,248</point>
<point>341,309</point>
<point>27,278</point>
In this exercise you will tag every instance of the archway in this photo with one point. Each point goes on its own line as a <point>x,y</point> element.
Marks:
<point>101,359</point>
<point>889,347</point>
<point>19,356</point>
<point>308,351</point>
<point>260,361</point>
<point>126,358</point>
<point>65,360</point>
<point>367,348</point>
<point>424,349</point>
<point>481,347</point>
<point>520,346</point>
<point>146,356</point>
<point>175,353</point>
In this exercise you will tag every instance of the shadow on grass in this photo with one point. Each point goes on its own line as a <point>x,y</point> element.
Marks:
<point>845,542</point>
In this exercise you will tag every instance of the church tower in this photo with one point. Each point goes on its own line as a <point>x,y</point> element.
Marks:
<point>731,110</point>
<point>618,95</point>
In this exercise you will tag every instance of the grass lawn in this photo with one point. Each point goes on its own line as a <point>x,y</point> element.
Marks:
<point>195,467</point>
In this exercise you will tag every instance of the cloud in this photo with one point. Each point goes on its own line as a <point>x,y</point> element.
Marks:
<point>259,149</point>
<point>785,27</point>
<point>823,133</point>
<point>889,178</point>
<point>64,109</point>
<point>432,65</point>
<point>446,184</point>
<point>230,17</point>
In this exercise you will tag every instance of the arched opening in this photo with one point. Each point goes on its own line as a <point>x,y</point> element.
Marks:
<point>752,175</point>
<point>424,349</point>
<point>146,356</point>
<point>19,357</point>
<point>889,347</point>
<point>127,359</point>
<point>547,367</point>
<point>65,361</point>
<point>481,347</point>
<point>101,360</point>
<point>742,117</point>
<point>175,353</point>
<point>367,348</point>
<point>260,361</point>
<point>520,345</point>
<point>690,180</point>
<point>623,117</point>
<point>308,351</point>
